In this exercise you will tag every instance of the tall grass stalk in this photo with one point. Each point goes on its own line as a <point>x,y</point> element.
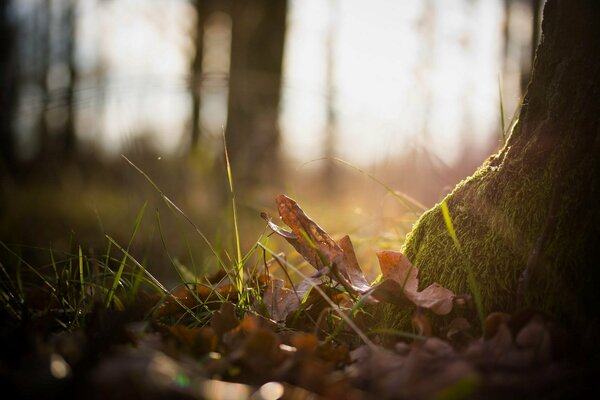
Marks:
<point>472,282</point>
<point>81,278</point>
<point>117,278</point>
<point>29,266</point>
<point>172,206</point>
<point>502,112</point>
<point>239,265</point>
<point>185,276</point>
<point>152,279</point>
<point>408,202</point>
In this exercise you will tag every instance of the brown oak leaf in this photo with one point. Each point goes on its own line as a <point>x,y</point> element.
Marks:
<point>401,280</point>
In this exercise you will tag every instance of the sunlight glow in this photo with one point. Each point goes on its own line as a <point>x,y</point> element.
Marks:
<point>271,391</point>
<point>59,367</point>
<point>410,74</point>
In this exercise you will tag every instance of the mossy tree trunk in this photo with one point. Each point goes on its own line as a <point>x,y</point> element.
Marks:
<point>528,218</point>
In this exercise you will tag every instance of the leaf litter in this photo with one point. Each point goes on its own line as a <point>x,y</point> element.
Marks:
<point>400,283</point>
<point>292,345</point>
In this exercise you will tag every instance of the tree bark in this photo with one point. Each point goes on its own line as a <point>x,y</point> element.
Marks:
<point>8,89</point>
<point>254,90</point>
<point>196,75</point>
<point>528,218</point>
<point>69,135</point>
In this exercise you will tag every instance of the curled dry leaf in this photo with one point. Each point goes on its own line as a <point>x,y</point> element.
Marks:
<point>396,268</point>
<point>400,284</point>
<point>318,248</point>
<point>308,238</point>
<point>350,268</point>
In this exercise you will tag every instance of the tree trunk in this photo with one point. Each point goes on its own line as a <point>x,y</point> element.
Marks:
<point>196,75</point>
<point>255,82</point>
<point>528,218</point>
<point>8,89</point>
<point>69,136</point>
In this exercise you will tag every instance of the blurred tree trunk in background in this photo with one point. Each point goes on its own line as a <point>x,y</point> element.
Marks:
<point>196,75</point>
<point>258,36</point>
<point>8,88</point>
<point>528,219</point>
<point>41,43</point>
<point>520,45</point>
<point>69,139</point>
<point>536,26</point>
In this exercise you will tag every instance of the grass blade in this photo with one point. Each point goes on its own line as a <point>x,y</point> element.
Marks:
<point>502,112</point>
<point>119,273</point>
<point>29,266</point>
<point>472,282</point>
<point>239,278</point>
<point>450,225</point>
<point>411,204</point>
<point>81,280</point>
<point>155,281</point>
<point>173,206</point>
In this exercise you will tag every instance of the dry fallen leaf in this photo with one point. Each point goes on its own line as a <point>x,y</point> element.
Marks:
<point>281,300</point>
<point>196,341</point>
<point>396,268</point>
<point>224,320</point>
<point>318,248</point>
<point>350,269</point>
<point>400,284</point>
<point>308,238</point>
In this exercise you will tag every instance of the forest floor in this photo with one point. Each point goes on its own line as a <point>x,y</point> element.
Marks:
<point>104,327</point>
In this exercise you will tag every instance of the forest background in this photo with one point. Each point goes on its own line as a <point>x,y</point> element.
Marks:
<point>334,102</point>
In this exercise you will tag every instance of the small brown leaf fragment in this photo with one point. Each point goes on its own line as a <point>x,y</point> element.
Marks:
<point>176,302</point>
<point>334,354</point>
<point>261,351</point>
<point>435,347</point>
<point>535,336</point>
<point>225,319</point>
<point>390,291</point>
<point>249,324</point>
<point>196,341</point>
<point>396,268</point>
<point>215,278</point>
<point>277,229</point>
<point>342,300</point>
<point>304,342</point>
<point>311,373</point>
<point>493,322</point>
<point>394,265</point>
<point>434,297</point>
<point>281,300</point>
<point>459,332</point>
<point>350,268</point>
<point>501,343</point>
<point>421,323</point>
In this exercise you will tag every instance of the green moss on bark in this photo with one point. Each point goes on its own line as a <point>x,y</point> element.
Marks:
<point>498,214</point>
<point>540,191</point>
